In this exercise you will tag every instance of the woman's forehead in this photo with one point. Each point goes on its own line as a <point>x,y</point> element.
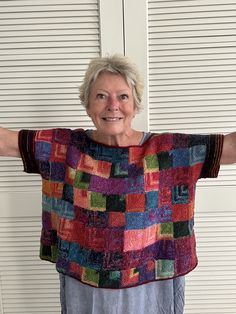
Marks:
<point>110,80</point>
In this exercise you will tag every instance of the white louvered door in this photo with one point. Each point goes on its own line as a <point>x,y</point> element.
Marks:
<point>45,47</point>
<point>190,85</point>
<point>191,88</point>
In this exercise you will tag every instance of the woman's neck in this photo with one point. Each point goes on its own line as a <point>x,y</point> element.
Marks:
<point>130,138</point>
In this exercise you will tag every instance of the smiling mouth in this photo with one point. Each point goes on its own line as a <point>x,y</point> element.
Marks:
<point>111,119</point>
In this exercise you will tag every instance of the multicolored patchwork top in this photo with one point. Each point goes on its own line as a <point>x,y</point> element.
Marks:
<point>117,217</point>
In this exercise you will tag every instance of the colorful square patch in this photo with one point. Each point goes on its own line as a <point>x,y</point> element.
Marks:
<point>164,268</point>
<point>135,203</point>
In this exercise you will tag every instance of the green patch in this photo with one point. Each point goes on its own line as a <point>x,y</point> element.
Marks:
<point>167,228</point>
<point>151,162</point>
<point>119,171</point>
<point>91,276</point>
<point>109,279</point>
<point>164,268</point>
<point>97,200</point>
<point>82,180</point>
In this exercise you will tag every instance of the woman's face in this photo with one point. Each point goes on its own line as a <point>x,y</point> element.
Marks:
<point>111,105</point>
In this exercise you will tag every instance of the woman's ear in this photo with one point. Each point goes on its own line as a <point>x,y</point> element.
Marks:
<point>88,112</point>
<point>135,111</point>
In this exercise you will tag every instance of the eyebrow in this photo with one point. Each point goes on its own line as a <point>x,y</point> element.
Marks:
<point>119,91</point>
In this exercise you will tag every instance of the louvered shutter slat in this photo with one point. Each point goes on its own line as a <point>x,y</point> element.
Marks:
<point>44,51</point>
<point>192,69</point>
<point>192,75</point>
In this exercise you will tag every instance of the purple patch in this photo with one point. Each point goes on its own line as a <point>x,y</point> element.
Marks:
<point>62,136</point>
<point>161,214</point>
<point>62,263</point>
<point>132,259</point>
<point>73,156</point>
<point>145,274</point>
<point>112,261</point>
<point>166,250</point>
<point>135,171</point>
<point>107,186</point>
<point>46,220</point>
<point>57,171</point>
<point>46,239</point>
<point>135,184</point>
<point>114,240</point>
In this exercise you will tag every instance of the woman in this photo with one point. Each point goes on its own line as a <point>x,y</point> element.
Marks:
<point>118,204</point>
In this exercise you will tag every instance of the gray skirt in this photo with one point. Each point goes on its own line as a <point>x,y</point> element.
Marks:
<point>159,297</point>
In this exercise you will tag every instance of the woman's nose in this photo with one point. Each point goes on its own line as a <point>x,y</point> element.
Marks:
<point>113,104</point>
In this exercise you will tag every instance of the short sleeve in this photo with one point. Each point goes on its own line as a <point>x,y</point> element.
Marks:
<point>44,151</point>
<point>214,147</point>
<point>26,143</point>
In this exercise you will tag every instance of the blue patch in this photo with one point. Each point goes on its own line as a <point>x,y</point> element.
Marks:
<point>135,184</point>
<point>180,194</point>
<point>151,200</point>
<point>66,210</point>
<point>197,154</point>
<point>62,208</point>
<point>163,214</point>
<point>135,220</point>
<point>63,247</point>
<point>86,257</point>
<point>47,203</point>
<point>42,151</point>
<point>110,154</point>
<point>181,157</point>
<point>68,194</point>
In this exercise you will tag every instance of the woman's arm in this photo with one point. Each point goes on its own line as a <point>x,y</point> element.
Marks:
<point>9,143</point>
<point>229,149</point>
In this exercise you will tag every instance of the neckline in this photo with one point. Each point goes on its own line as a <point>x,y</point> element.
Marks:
<point>145,138</point>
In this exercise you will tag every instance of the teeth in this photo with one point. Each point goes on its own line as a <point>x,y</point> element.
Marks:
<point>111,119</point>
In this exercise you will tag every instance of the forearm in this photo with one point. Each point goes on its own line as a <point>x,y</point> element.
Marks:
<point>9,143</point>
<point>229,149</point>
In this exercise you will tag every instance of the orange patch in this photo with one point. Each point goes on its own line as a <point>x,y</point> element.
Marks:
<point>52,189</point>
<point>59,152</point>
<point>55,221</point>
<point>135,202</point>
<point>76,268</point>
<point>136,154</point>
<point>138,239</point>
<point>72,231</point>
<point>182,212</point>
<point>80,198</point>
<point>151,181</point>
<point>44,135</point>
<point>94,167</point>
<point>129,277</point>
<point>116,219</point>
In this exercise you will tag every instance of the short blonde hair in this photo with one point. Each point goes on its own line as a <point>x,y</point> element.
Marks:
<point>116,64</point>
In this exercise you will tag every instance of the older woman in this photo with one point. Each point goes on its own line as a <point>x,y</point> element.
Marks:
<point>118,204</point>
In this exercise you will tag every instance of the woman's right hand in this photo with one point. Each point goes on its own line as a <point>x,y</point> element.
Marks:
<point>9,143</point>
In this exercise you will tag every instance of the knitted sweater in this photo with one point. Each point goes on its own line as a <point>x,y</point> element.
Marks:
<point>117,217</point>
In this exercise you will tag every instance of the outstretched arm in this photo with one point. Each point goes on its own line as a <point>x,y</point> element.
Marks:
<point>229,149</point>
<point>9,143</point>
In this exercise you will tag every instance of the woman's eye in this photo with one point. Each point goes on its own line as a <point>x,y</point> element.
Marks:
<point>124,97</point>
<point>101,96</point>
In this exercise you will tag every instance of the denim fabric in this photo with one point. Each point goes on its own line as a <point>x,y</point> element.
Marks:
<point>160,297</point>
